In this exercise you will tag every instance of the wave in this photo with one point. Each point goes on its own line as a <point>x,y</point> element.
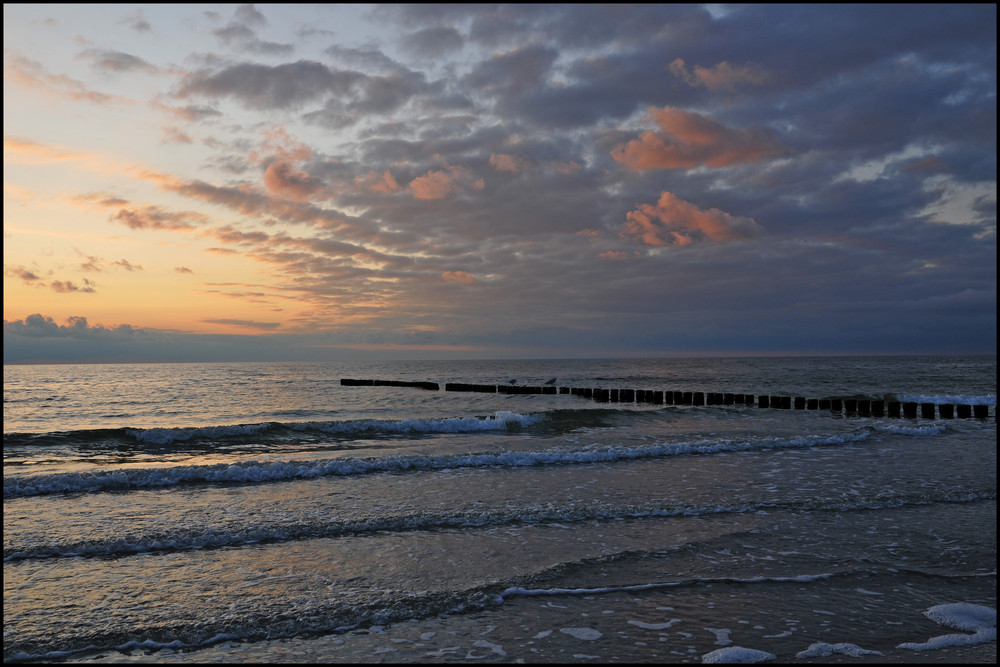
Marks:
<point>261,533</point>
<point>953,399</point>
<point>256,472</point>
<point>166,436</point>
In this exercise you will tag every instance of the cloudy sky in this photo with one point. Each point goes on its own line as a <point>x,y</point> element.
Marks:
<point>223,182</point>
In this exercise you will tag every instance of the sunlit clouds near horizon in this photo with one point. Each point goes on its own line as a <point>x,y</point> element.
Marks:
<point>312,182</point>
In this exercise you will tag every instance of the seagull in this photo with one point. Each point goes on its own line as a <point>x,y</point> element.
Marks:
<point>514,381</point>
<point>552,381</point>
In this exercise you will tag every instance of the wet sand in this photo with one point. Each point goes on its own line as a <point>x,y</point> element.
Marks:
<point>665,625</point>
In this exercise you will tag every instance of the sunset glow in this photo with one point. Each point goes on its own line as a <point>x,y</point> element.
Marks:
<point>222,182</point>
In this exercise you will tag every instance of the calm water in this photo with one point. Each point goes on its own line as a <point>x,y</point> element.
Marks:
<point>258,512</point>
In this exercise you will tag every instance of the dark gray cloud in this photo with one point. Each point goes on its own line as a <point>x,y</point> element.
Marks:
<point>434,42</point>
<point>264,87</point>
<point>116,61</point>
<point>241,33</point>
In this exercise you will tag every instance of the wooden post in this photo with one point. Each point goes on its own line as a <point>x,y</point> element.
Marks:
<point>927,410</point>
<point>947,411</point>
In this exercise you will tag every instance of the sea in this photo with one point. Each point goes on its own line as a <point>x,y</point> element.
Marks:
<point>269,512</point>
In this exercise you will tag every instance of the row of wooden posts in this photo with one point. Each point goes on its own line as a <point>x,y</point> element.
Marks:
<point>850,406</point>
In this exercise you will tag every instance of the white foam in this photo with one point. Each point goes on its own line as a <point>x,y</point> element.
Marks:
<point>963,616</point>
<point>655,626</point>
<point>947,641</point>
<point>822,650</point>
<point>980,620</point>
<point>722,636</point>
<point>737,655</point>
<point>910,429</point>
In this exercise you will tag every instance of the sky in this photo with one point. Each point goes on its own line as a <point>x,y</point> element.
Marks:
<point>336,182</point>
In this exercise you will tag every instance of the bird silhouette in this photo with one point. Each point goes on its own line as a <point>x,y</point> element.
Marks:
<point>514,381</point>
<point>552,381</point>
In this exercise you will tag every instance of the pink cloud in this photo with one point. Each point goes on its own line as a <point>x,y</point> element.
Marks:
<point>672,221</point>
<point>721,76</point>
<point>687,139</point>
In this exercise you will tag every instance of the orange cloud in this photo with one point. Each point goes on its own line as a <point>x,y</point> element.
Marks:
<point>31,75</point>
<point>507,163</point>
<point>687,139</point>
<point>440,184</point>
<point>375,182</point>
<point>461,277</point>
<point>433,185</point>
<point>673,221</point>
<point>35,153</point>
<point>22,273</point>
<point>286,180</point>
<point>280,152</point>
<point>278,143</point>
<point>65,286</point>
<point>142,216</point>
<point>722,76</point>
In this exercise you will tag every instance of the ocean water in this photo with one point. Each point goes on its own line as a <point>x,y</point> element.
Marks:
<point>265,512</point>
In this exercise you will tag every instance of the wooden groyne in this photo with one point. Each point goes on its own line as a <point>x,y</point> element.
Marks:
<point>347,382</point>
<point>859,407</point>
